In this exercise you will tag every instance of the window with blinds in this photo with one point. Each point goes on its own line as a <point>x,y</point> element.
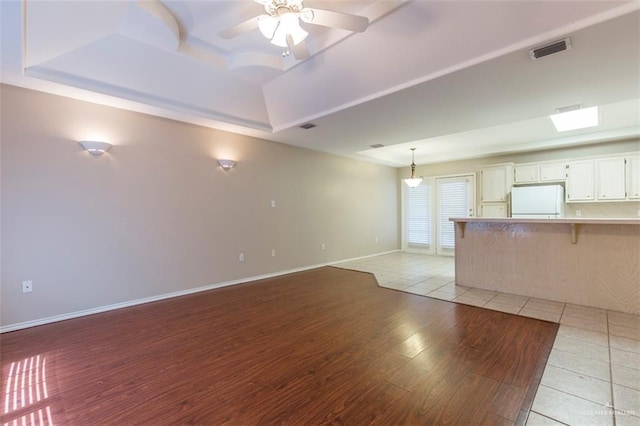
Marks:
<point>418,216</point>
<point>454,199</point>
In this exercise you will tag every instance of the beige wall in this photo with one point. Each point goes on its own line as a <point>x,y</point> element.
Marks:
<point>156,215</point>
<point>595,210</point>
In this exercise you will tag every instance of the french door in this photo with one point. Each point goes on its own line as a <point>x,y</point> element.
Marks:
<point>427,209</point>
<point>455,198</point>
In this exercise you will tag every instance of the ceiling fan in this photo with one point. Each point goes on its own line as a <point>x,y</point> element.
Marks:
<point>281,24</point>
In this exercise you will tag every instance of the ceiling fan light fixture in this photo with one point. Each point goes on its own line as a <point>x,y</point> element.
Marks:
<point>267,25</point>
<point>288,24</point>
<point>281,24</point>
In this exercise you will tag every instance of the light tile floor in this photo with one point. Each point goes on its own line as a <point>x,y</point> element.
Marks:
<point>593,372</point>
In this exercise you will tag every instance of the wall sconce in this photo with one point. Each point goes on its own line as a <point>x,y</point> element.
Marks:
<point>95,148</point>
<point>227,164</point>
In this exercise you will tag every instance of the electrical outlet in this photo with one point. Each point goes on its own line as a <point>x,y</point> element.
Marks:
<point>376,239</point>
<point>241,257</point>
<point>322,246</point>
<point>638,212</point>
<point>27,286</point>
<point>273,203</point>
<point>273,252</point>
<point>578,213</point>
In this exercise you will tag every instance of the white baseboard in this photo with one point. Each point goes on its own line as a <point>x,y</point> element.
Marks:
<point>363,257</point>
<point>92,311</point>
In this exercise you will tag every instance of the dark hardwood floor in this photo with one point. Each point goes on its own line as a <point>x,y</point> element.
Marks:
<point>315,347</point>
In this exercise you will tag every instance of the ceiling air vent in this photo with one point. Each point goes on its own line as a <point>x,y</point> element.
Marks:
<point>307,126</point>
<point>377,145</point>
<point>550,49</point>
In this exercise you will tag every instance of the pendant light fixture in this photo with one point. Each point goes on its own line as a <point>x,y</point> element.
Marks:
<point>413,181</point>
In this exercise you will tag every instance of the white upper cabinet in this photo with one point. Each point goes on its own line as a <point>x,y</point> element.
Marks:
<point>539,173</point>
<point>581,181</point>
<point>633,177</point>
<point>553,172</point>
<point>611,179</point>
<point>495,184</point>
<point>604,179</point>
<point>526,174</point>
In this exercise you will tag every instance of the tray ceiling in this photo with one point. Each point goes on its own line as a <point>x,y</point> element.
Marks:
<point>453,79</point>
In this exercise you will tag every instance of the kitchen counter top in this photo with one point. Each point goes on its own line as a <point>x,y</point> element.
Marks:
<point>572,222</point>
<point>569,220</point>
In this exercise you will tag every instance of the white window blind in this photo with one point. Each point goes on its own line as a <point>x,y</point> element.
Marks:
<point>453,195</point>
<point>418,216</point>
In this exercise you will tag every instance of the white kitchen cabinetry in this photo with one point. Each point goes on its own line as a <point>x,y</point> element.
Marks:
<point>581,181</point>
<point>553,172</point>
<point>495,184</point>
<point>495,210</point>
<point>633,177</point>
<point>610,179</point>
<point>526,174</point>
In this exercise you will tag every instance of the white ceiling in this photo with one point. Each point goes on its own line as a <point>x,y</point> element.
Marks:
<point>451,78</point>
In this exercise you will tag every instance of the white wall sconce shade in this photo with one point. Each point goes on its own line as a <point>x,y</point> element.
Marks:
<point>96,148</point>
<point>574,117</point>
<point>227,164</point>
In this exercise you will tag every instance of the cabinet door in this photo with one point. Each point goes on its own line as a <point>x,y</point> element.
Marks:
<point>581,181</point>
<point>553,172</point>
<point>633,177</point>
<point>495,184</point>
<point>526,174</point>
<point>610,179</point>
<point>494,210</point>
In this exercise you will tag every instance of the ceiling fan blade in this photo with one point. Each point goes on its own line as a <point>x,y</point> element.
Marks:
<point>242,27</point>
<point>330,18</point>
<point>300,50</point>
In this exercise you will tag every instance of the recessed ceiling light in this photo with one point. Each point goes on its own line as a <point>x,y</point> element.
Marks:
<point>574,117</point>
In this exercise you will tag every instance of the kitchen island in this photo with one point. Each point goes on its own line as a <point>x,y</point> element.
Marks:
<point>591,262</point>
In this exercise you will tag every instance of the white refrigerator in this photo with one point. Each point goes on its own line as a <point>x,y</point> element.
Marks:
<point>537,202</point>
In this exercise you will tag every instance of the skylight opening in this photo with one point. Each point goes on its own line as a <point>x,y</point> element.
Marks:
<point>573,118</point>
